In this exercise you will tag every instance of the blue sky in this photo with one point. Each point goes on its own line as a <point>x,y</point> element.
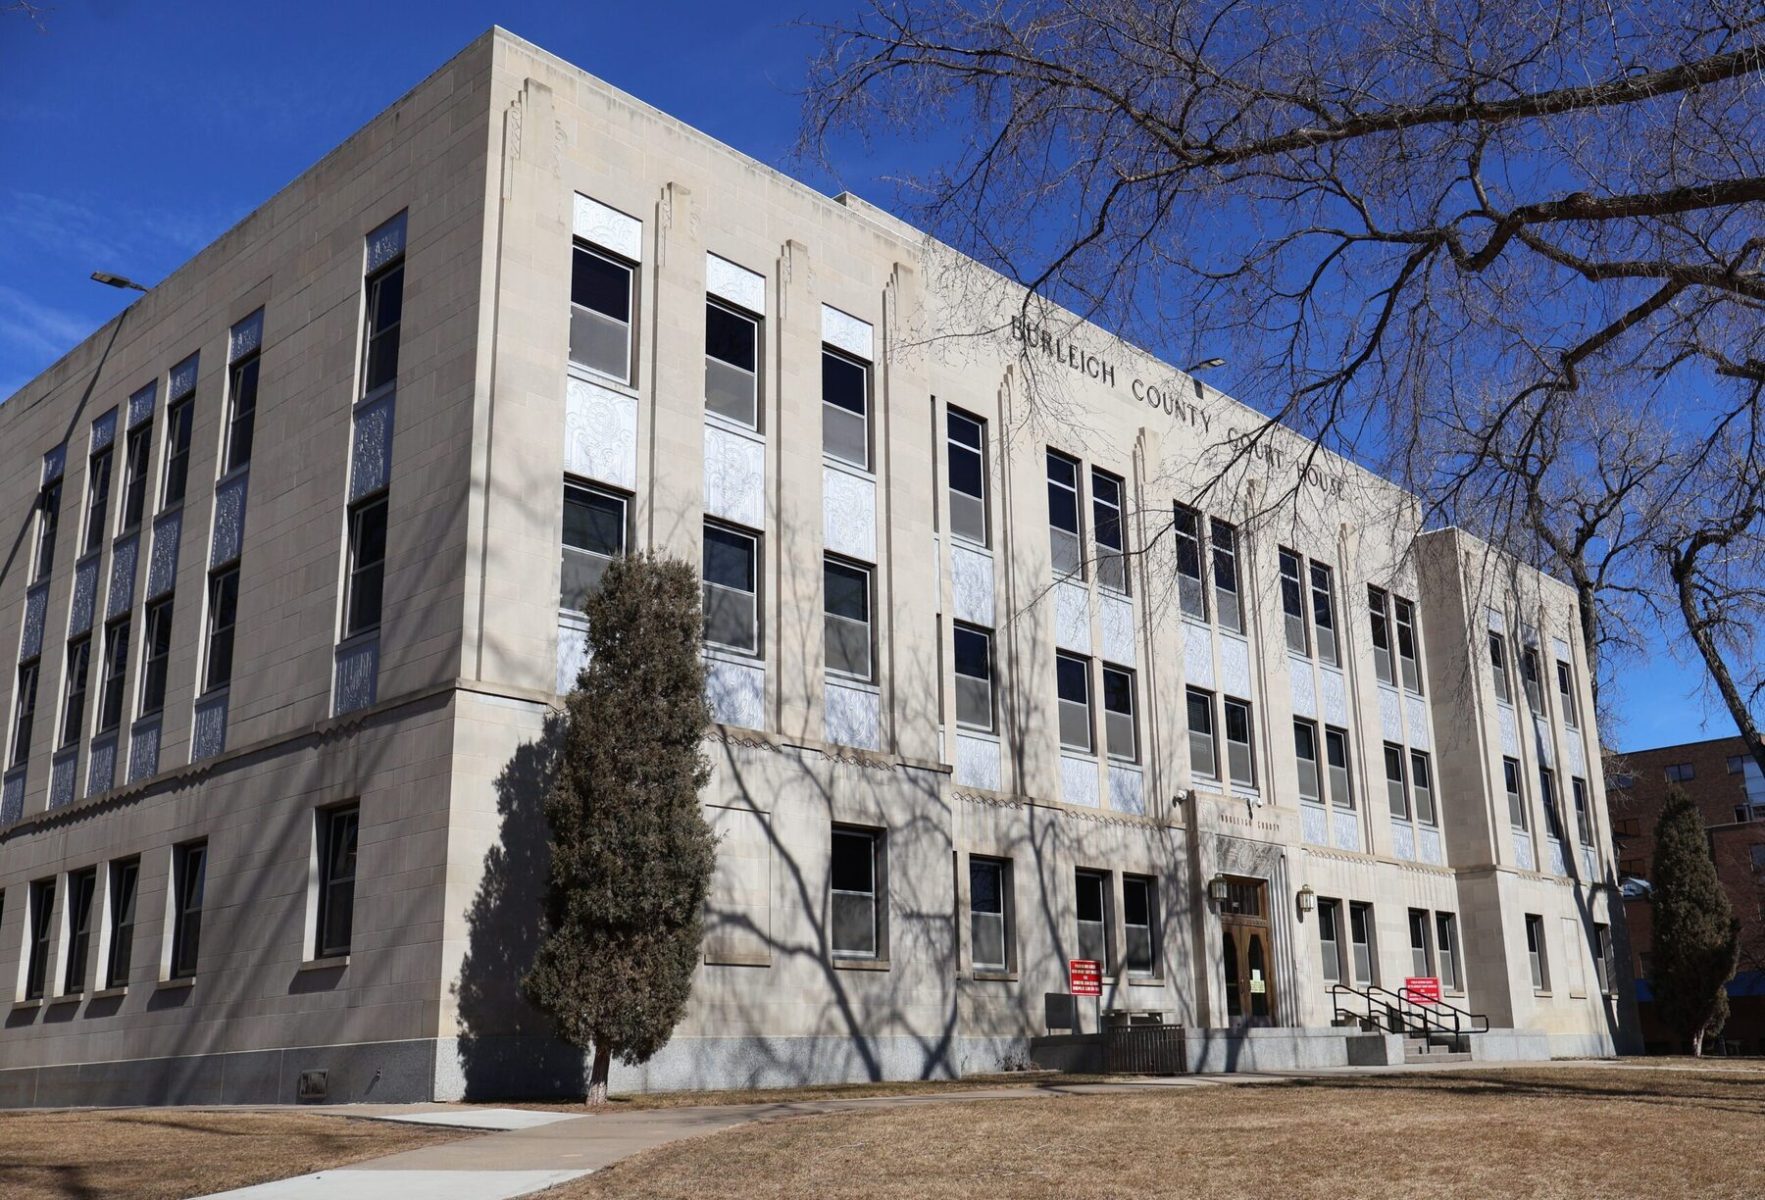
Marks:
<point>132,134</point>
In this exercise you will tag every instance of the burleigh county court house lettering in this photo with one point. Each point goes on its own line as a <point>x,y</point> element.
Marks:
<point>303,539</point>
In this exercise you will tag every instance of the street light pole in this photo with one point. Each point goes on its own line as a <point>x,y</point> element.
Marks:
<point>116,281</point>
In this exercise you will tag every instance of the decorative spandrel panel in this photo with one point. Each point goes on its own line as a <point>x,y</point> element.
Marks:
<point>122,577</point>
<point>370,465</point>
<point>162,568</point>
<point>229,521</point>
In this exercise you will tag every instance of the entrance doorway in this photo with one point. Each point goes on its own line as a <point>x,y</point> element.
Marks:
<point>1247,952</point>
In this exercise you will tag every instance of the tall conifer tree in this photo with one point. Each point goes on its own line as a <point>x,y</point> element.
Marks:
<point>631,854</point>
<point>1696,937</point>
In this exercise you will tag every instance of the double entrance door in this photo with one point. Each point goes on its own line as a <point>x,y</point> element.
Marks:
<point>1248,953</point>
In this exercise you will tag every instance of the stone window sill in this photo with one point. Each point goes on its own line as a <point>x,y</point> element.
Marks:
<point>22,1005</point>
<point>328,963</point>
<point>862,964</point>
<point>110,992</point>
<point>994,976</point>
<point>182,981</point>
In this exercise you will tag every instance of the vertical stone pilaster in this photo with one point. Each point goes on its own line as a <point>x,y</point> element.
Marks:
<point>793,480</point>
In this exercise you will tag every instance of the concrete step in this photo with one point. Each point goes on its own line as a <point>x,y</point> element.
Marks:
<point>1437,1056</point>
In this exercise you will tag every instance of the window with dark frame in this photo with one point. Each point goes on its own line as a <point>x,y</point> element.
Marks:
<point>1498,665</point>
<point>39,934</point>
<point>382,318</point>
<point>1681,772</point>
<point>48,525</point>
<point>1121,734</point>
<point>853,892</point>
<point>156,655</point>
<point>1422,788</point>
<point>1293,602</point>
<point>1566,695</point>
<point>730,575</point>
<point>136,447</point>
<point>1447,943</point>
<point>596,526</point>
<point>845,409</point>
<point>1380,629</point>
<point>1510,769</point>
<point>1330,939</point>
<point>1140,925</point>
<point>189,871</point>
<point>601,304</point>
<point>972,654</point>
<point>73,700</point>
<point>82,887</point>
<point>1203,749</point>
<point>1396,790</point>
<point>1305,753</point>
<point>118,953</point>
<point>1107,529</point>
<point>116,666</point>
<point>1066,544</point>
<point>1605,959</point>
<point>1323,603</point>
<point>1529,678</point>
<point>223,615</point>
<point>175,474</point>
<point>1072,678</point>
<point>1191,593</point>
<point>1223,543</point>
<point>1535,952</point>
<point>989,913</point>
<point>242,410</point>
<point>1091,905</point>
<point>338,830</point>
<point>1240,754</point>
<point>24,712</point>
<point>1336,766</point>
<point>97,499</point>
<point>1553,816</point>
<point>1360,932</point>
<point>847,603</point>
<point>732,364</point>
<point>364,591</point>
<point>1408,657</point>
<point>1583,811</point>
<point>966,449</point>
<point>1421,944</point>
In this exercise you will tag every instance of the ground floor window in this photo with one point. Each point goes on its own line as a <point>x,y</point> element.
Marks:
<point>1139,908</point>
<point>853,891</point>
<point>1535,952</point>
<point>1091,900</point>
<point>989,881</point>
<point>1446,925</point>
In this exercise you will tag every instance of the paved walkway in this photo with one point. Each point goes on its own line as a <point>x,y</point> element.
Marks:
<point>537,1149</point>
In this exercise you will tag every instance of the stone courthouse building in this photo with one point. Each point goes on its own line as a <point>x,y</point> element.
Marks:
<point>1023,646</point>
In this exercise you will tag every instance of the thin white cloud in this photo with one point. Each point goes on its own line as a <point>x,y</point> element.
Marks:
<point>36,334</point>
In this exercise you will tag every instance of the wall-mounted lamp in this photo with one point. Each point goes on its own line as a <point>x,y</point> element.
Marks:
<point>1308,899</point>
<point>1218,889</point>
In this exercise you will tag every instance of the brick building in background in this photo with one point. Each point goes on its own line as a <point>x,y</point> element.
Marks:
<point>1729,789</point>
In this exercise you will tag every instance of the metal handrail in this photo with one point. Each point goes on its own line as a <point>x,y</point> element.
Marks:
<point>1432,1015</point>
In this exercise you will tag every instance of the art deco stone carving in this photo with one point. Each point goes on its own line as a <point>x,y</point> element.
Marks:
<point>572,651</point>
<point>1345,830</point>
<point>79,618</point>
<point>847,332</point>
<point>852,716</point>
<point>736,692</point>
<point>1390,715</point>
<point>384,244</point>
<point>370,463</point>
<point>1510,731</point>
<point>600,433</point>
<point>358,676</point>
<point>144,750</point>
<point>1314,824</point>
<point>1403,840</point>
<point>738,285</point>
<point>1078,781</point>
<point>971,586</point>
<point>1335,696</point>
<point>1301,680</point>
<point>1072,617</point>
<point>608,228</point>
<point>229,521</point>
<point>61,778</point>
<point>1416,719</point>
<point>848,512</point>
<point>36,607</point>
<point>101,770</point>
<point>977,761</point>
<point>1198,654</point>
<point>103,431</point>
<point>162,568</point>
<point>209,735</point>
<point>1115,622</point>
<point>12,797</point>
<point>735,477</point>
<point>1127,790</point>
<point>122,577</point>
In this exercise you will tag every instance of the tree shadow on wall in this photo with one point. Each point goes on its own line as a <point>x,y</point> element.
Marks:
<point>507,1047</point>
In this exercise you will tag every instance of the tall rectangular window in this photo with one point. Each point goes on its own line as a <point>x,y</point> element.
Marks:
<point>39,935</point>
<point>1535,952</point>
<point>1330,939</point>
<point>1223,539</point>
<point>1305,751</point>
<point>845,409</point>
<point>973,655</point>
<point>1421,948</point>
<point>338,828</point>
<point>1066,547</point>
<point>135,450</point>
<point>189,874</point>
<point>124,876</point>
<point>156,655</point>
<point>1380,628</point>
<point>1072,677</point>
<point>1091,892</point>
<point>24,711</point>
<point>1203,754</point>
<point>1547,795</point>
<point>242,410</point>
<point>223,614</point>
<point>967,452</point>
<point>1323,606</point>
<point>73,700</point>
<point>1422,786</point>
<point>989,913</point>
<point>846,600</point>
<point>1447,927</point>
<point>1529,677</point>
<point>1107,529</point>
<point>732,364</point>
<point>366,584</point>
<point>1293,603</point>
<point>116,666</point>
<point>82,886</point>
<point>1336,762</point>
<point>175,475</point>
<point>853,891</point>
<point>48,525</point>
<point>1498,665</point>
<point>1240,757</point>
<point>1510,770</point>
<point>382,319</point>
<point>1140,924</point>
<point>1566,695</point>
<point>1121,734</point>
<point>595,531</point>
<point>1360,933</point>
<point>1407,655</point>
<point>1191,592</point>
<point>731,576</point>
<point>1396,793</point>
<point>97,499</point>
<point>1605,960</point>
<point>601,304</point>
<point>1583,811</point>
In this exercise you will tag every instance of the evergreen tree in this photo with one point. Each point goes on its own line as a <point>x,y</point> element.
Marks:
<point>1696,937</point>
<point>631,854</point>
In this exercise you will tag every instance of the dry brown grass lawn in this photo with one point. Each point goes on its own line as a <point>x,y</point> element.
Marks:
<point>1474,1135</point>
<point>641,1101</point>
<point>167,1154</point>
